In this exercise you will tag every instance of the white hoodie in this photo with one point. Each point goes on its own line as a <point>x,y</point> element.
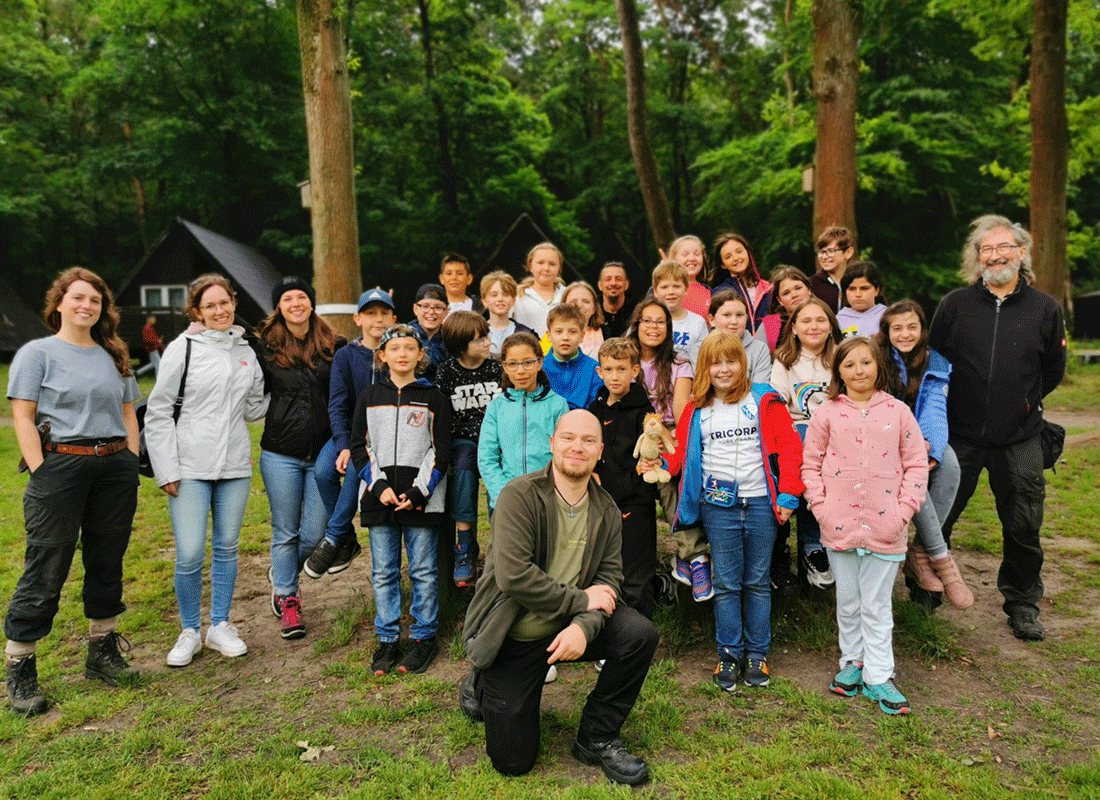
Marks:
<point>225,388</point>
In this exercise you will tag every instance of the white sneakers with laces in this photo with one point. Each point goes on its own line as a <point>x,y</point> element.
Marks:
<point>223,638</point>
<point>185,648</point>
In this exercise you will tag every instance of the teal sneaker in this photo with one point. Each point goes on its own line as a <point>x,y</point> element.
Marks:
<point>848,681</point>
<point>725,675</point>
<point>888,697</point>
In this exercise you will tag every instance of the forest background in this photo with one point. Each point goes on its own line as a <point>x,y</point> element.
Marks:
<point>117,116</point>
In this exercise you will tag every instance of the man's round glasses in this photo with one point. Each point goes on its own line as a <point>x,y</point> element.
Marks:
<point>1002,249</point>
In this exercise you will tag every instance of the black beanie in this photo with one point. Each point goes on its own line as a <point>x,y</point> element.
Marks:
<point>288,283</point>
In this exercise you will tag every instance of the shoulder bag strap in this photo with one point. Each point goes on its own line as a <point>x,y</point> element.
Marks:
<point>178,405</point>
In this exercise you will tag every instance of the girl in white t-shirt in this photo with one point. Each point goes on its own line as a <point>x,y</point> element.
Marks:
<point>544,289</point>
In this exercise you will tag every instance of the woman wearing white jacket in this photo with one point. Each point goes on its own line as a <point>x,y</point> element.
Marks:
<point>203,460</point>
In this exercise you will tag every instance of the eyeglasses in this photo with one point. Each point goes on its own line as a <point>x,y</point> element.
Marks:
<point>527,363</point>
<point>437,308</point>
<point>652,323</point>
<point>208,307</point>
<point>1002,249</point>
<point>829,253</point>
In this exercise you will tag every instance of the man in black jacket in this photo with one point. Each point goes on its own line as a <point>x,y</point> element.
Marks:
<point>1007,346</point>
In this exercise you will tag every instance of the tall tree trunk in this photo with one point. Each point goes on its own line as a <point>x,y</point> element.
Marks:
<point>327,90</point>
<point>645,164</point>
<point>1049,148</point>
<point>447,177</point>
<point>836,82</point>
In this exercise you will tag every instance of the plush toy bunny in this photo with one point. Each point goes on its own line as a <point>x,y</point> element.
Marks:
<point>654,441</point>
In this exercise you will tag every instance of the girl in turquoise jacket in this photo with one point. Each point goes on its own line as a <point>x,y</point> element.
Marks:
<point>515,434</point>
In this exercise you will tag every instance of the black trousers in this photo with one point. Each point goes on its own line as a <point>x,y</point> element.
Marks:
<point>1019,488</point>
<point>639,558</point>
<point>510,691</point>
<point>70,497</point>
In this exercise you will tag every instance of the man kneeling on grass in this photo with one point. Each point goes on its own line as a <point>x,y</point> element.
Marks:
<point>549,592</point>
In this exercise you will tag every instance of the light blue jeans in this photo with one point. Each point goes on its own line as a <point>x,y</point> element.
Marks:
<point>297,516</point>
<point>197,501</point>
<point>340,493</point>
<point>741,539</point>
<point>943,485</point>
<point>385,556</point>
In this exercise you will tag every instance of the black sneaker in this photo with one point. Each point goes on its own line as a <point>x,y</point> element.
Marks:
<point>385,658</point>
<point>467,696</point>
<point>664,590</point>
<point>817,568</point>
<point>613,758</point>
<point>105,662</point>
<point>420,656</point>
<point>1025,624</point>
<point>756,672</point>
<point>347,550</point>
<point>322,557</point>
<point>725,675</point>
<point>23,692</point>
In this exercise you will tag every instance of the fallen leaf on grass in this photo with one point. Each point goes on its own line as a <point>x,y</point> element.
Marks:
<point>967,761</point>
<point>312,752</point>
<point>993,734</point>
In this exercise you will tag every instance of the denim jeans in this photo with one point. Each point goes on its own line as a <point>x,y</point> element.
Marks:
<point>225,501</point>
<point>943,484</point>
<point>339,493</point>
<point>297,516</point>
<point>741,539</point>
<point>385,556</point>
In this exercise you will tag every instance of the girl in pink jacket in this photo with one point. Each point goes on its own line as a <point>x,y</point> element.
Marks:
<point>865,467</point>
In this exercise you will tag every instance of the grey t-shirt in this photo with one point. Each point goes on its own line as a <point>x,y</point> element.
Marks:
<point>78,389</point>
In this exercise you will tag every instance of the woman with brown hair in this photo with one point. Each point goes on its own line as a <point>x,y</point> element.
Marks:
<point>202,457</point>
<point>296,348</point>
<point>72,397</point>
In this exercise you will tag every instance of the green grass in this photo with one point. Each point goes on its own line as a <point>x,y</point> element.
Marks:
<point>988,722</point>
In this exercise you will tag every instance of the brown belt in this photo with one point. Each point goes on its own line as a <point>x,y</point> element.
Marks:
<point>108,449</point>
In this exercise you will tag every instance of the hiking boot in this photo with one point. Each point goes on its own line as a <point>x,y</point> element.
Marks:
<point>291,624</point>
<point>420,656</point>
<point>701,587</point>
<point>105,662</point>
<point>223,638</point>
<point>725,675</point>
<point>467,696</point>
<point>613,758</point>
<point>918,566</point>
<point>1025,624</point>
<point>957,592</point>
<point>848,681</point>
<point>756,672</point>
<point>347,550</point>
<point>887,696</point>
<point>682,571</point>
<point>466,550</point>
<point>322,557</point>
<point>23,692</point>
<point>189,643</point>
<point>818,573</point>
<point>385,658</point>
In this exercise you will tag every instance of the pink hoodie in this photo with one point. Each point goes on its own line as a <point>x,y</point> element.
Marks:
<point>866,472</point>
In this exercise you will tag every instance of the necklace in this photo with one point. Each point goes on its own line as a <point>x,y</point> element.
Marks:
<point>572,512</point>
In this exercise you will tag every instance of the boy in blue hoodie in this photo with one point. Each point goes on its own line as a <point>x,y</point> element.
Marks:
<point>572,374</point>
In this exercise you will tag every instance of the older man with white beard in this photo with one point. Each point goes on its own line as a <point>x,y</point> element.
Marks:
<point>1007,345</point>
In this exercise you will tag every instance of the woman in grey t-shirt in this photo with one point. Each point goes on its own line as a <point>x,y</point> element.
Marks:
<point>83,481</point>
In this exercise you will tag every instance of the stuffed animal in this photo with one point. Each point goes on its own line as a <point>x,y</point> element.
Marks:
<point>654,441</point>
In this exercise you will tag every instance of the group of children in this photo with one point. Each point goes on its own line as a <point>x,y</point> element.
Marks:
<point>776,414</point>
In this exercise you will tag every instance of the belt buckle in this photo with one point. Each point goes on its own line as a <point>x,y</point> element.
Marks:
<point>95,449</point>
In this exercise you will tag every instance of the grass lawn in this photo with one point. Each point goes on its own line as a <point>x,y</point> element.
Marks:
<point>992,717</point>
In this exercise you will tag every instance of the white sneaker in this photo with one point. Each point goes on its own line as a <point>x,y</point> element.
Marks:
<point>223,638</point>
<point>185,648</point>
<point>599,664</point>
<point>551,674</point>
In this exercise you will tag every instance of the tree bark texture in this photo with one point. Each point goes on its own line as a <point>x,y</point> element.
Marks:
<point>645,163</point>
<point>836,83</point>
<point>327,91</point>
<point>1049,148</point>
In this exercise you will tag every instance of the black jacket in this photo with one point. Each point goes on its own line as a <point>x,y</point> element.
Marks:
<point>297,423</point>
<point>1006,355</point>
<point>622,425</point>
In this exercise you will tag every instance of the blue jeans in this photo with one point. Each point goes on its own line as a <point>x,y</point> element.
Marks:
<point>385,556</point>
<point>741,539</point>
<point>339,493</point>
<point>297,516</point>
<point>943,484</point>
<point>225,500</point>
